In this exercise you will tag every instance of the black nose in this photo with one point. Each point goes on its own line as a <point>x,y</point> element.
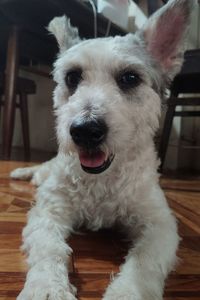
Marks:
<point>88,134</point>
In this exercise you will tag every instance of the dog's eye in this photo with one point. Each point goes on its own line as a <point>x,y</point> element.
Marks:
<point>128,80</point>
<point>73,78</point>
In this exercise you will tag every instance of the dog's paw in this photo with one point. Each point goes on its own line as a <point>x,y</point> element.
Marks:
<point>120,295</point>
<point>22,173</point>
<point>121,290</point>
<point>36,291</point>
<point>36,174</point>
<point>118,290</point>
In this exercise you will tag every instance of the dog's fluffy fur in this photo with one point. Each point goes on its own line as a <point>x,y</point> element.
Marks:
<point>128,192</point>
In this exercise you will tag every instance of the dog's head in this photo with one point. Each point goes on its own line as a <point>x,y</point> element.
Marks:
<point>107,99</point>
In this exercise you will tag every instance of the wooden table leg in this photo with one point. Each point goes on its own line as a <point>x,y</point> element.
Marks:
<point>25,125</point>
<point>10,94</point>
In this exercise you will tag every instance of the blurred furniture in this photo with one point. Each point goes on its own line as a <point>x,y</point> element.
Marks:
<point>24,87</point>
<point>187,82</point>
<point>152,5</point>
<point>29,40</point>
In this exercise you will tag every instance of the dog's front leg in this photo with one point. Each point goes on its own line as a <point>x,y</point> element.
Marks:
<point>49,224</point>
<point>149,261</point>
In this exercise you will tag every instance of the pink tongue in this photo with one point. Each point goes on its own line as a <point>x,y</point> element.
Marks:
<point>93,160</point>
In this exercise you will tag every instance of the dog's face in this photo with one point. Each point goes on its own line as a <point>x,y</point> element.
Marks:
<point>105,100</point>
<point>107,96</point>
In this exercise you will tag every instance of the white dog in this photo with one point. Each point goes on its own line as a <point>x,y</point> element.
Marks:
<point>107,104</point>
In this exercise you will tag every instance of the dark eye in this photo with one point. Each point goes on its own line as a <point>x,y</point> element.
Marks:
<point>73,78</point>
<point>128,80</point>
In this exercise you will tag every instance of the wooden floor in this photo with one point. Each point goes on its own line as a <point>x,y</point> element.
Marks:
<point>97,256</point>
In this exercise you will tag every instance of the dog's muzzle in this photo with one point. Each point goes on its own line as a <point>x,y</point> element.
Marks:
<point>89,135</point>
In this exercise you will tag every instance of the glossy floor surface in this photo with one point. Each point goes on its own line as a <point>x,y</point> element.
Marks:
<point>98,255</point>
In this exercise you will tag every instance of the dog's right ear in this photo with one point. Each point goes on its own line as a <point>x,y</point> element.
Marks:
<point>65,34</point>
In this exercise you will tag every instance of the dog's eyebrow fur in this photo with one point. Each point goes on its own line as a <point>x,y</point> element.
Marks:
<point>73,67</point>
<point>140,69</point>
<point>135,67</point>
<point>144,72</point>
<point>134,63</point>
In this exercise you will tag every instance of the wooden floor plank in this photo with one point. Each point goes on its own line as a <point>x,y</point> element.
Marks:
<point>93,263</point>
<point>191,184</point>
<point>187,200</point>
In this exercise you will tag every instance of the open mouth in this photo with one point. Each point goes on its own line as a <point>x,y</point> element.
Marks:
<point>95,161</point>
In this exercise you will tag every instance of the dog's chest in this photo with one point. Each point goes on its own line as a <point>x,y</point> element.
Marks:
<point>100,202</point>
<point>94,203</point>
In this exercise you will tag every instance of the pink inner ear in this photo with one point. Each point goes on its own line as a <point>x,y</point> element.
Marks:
<point>165,35</point>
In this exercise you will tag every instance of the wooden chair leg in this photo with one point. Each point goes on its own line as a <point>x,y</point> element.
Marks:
<point>25,125</point>
<point>166,134</point>
<point>10,92</point>
<point>0,108</point>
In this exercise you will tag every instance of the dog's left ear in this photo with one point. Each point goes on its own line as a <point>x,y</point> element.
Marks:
<point>65,34</point>
<point>165,32</point>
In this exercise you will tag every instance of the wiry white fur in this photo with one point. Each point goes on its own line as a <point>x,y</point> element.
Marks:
<point>37,174</point>
<point>127,193</point>
<point>67,35</point>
